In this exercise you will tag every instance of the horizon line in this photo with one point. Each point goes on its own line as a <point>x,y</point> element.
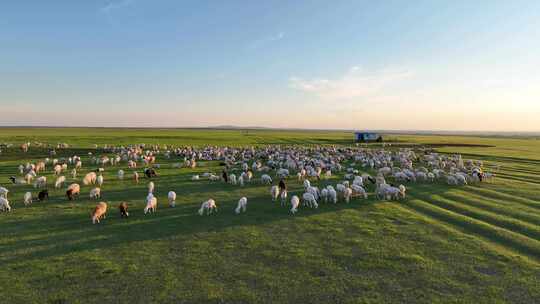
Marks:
<point>258,128</point>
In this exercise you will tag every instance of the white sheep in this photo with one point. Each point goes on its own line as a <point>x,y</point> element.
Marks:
<point>3,192</point>
<point>283,197</point>
<point>59,182</point>
<point>347,194</point>
<point>151,187</point>
<point>332,195</point>
<point>309,200</point>
<point>232,179</point>
<point>195,178</point>
<point>120,174</point>
<point>274,192</point>
<point>99,180</point>
<point>74,173</point>
<point>4,204</point>
<point>324,195</point>
<point>266,179</point>
<point>172,198</point>
<point>41,182</point>
<point>307,184</point>
<point>151,204</point>
<point>27,198</point>
<point>242,205</point>
<point>95,193</point>
<point>295,202</point>
<point>359,190</point>
<point>209,206</point>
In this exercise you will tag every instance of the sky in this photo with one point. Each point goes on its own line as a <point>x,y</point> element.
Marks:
<point>351,64</point>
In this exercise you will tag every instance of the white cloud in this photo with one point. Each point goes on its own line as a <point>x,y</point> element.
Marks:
<point>115,5</point>
<point>355,83</point>
<point>266,40</point>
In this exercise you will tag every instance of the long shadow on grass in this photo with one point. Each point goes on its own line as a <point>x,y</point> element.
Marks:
<point>78,234</point>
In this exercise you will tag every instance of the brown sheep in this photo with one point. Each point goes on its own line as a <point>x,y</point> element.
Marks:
<point>123,207</point>
<point>99,212</point>
<point>72,191</point>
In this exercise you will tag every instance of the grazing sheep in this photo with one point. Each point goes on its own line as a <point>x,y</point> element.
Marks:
<point>27,198</point>
<point>120,174</point>
<point>359,190</point>
<point>309,200</point>
<point>17,180</point>
<point>451,180</point>
<point>274,192</point>
<point>132,164</point>
<point>43,194</point>
<point>29,176</point>
<point>347,194</point>
<point>282,173</point>
<point>123,207</point>
<point>324,195</point>
<point>99,180</point>
<point>266,179</point>
<point>90,178</point>
<point>232,179</point>
<point>295,202</point>
<point>209,206</point>
<point>402,191</point>
<point>151,187</point>
<point>149,172</point>
<point>41,182</point>
<point>332,195</point>
<point>59,182</point>
<point>151,204</point>
<point>249,176</point>
<point>242,205</point>
<point>172,198</point>
<point>4,204</point>
<point>99,212</point>
<point>72,191</point>
<point>57,169</point>
<point>3,192</point>
<point>95,193</point>
<point>283,196</point>
<point>195,178</point>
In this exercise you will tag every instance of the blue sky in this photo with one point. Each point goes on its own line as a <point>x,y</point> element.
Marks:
<point>431,65</point>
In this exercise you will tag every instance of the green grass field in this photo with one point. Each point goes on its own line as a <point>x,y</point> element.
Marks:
<point>472,244</point>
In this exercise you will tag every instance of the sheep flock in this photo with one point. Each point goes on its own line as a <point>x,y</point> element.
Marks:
<point>327,174</point>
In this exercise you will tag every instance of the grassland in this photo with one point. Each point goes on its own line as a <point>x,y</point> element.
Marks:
<point>473,244</point>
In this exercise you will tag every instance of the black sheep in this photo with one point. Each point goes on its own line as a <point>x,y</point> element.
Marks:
<point>149,172</point>
<point>43,194</point>
<point>123,207</point>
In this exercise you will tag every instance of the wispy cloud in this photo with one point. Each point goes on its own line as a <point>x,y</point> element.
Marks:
<point>115,5</point>
<point>355,83</point>
<point>266,40</point>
